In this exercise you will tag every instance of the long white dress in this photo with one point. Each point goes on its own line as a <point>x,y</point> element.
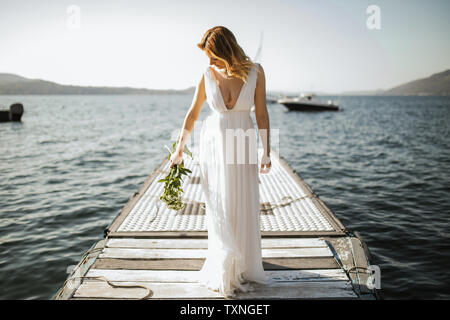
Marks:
<point>229,171</point>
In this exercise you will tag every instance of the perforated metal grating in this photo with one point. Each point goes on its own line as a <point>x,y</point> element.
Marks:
<point>285,205</point>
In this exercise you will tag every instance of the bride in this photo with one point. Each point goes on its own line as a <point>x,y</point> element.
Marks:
<point>229,170</point>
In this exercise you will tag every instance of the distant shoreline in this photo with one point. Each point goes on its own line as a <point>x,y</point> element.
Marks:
<point>10,84</point>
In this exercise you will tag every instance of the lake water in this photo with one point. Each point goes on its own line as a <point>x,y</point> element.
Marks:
<point>382,165</point>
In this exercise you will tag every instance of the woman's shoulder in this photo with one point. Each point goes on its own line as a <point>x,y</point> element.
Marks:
<point>206,71</point>
<point>259,69</point>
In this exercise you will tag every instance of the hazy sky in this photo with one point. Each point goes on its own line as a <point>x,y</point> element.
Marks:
<point>320,45</point>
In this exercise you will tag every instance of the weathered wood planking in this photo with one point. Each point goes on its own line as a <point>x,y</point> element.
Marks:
<point>191,276</point>
<point>196,264</point>
<point>278,290</point>
<point>135,253</point>
<point>203,243</point>
<point>359,275</point>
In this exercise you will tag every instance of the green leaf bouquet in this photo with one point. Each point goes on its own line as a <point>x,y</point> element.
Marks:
<point>172,182</point>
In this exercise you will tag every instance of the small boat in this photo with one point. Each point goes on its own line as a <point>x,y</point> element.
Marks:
<point>14,113</point>
<point>308,103</point>
<point>271,99</point>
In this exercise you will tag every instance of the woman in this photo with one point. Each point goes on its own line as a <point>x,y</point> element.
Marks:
<point>228,165</point>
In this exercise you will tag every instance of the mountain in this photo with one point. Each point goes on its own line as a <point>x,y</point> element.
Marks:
<point>360,93</point>
<point>436,84</point>
<point>14,84</point>
<point>9,77</point>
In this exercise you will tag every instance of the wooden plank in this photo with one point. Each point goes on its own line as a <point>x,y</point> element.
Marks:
<point>204,234</point>
<point>276,290</point>
<point>146,264</point>
<point>299,263</point>
<point>191,276</point>
<point>203,243</point>
<point>133,253</point>
<point>359,276</point>
<point>196,264</point>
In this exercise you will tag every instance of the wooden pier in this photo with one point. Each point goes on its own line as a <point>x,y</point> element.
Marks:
<point>151,252</point>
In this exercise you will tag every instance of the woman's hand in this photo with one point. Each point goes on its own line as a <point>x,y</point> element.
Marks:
<point>265,162</point>
<point>176,157</point>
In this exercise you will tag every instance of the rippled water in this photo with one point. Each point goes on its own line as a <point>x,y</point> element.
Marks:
<point>382,165</point>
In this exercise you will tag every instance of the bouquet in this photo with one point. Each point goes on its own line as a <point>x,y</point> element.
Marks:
<point>172,182</point>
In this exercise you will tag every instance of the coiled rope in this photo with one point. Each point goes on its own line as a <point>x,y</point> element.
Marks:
<point>285,201</point>
<point>84,258</point>
<point>149,291</point>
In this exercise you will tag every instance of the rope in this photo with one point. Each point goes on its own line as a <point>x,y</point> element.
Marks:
<point>354,261</point>
<point>357,267</point>
<point>89,252</point>
<point>84,260</point>
<point>149,291</point>
<point>347,271</point>
<point>287,202</point>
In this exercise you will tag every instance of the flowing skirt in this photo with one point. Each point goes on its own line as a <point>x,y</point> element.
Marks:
<point>230,184</point>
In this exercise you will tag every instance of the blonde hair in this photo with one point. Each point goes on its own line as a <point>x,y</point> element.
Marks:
<point>221,43</point>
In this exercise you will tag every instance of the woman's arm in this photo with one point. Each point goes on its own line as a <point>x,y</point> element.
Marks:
<point>191,117</point>
<point>261,114</point>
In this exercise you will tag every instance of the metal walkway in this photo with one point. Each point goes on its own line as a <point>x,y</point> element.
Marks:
<point>287,204</point>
